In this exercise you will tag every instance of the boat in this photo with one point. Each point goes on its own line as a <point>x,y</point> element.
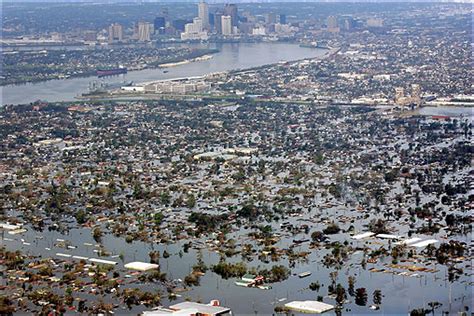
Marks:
<point>304,274</point>
<point>111,72</point>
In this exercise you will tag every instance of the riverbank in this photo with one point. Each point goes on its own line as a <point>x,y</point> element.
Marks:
<point>229,57</point>
<point>192,56</point>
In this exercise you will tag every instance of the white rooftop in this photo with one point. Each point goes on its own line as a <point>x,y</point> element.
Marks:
<point>408,241</point>
<point>363,235</point>
<point>309,306</point>
<point>424,243</point>
<point>388,236</point>
<point>141,266</point>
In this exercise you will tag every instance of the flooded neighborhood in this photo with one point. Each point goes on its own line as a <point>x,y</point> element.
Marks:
<point>259,159</point>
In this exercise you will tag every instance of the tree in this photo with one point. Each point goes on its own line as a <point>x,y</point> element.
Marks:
<point>340,294</point>
<point>331,229</point>
<point>7,306</point>
<point>351,283</point>
<point>97,234</point>
<point>81,217</point>
<point>158,218</point>
<point>332,286</point>
<point>378,226</point>
<point>317,236</point>
<point>450,219</point>
<point>418,312</point>
<point>377,297</point>
<point>434,305</point>
<point>154,256</point>
<point>361,296</point>
<point>314,286</point>
<point>190,201</point>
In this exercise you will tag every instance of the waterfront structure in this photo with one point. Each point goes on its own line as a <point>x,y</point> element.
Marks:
<point>177,87</point>
<point>259,31</point>
<point>115,33</point>
<point>226,22</point>
<point>402,99</point>
<point>203,14</point>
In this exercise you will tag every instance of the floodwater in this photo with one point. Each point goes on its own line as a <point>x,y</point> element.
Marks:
<point>401,293</point>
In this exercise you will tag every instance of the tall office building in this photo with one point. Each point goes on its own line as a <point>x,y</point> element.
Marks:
<point>203,14</point>
<point>194,31</point>
<point>416,93</point>
<point>270,18</point>
<point>375,22</point>
<point>218,21</point>
<point>399,95</point>
<point>331,22</point>
<point>349,23</point>
<point>282,18</point>
<point>115,33</point>
<point>231,10</point>
<point>180,24</point>
<point>226,25</point>
<point>159,24</point>
<point>145,30</point>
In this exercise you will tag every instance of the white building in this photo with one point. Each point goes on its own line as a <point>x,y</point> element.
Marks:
<point>226,25</point>
<point>375,22</point>
<point>259,31</point>
<point>145,30</point>
<point>115,32</point>
<point>203,14</point>
<point>194,31</point>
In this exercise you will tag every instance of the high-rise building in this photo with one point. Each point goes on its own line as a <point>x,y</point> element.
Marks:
<point>203,14</point>
<point>399,95</point>
<point>115,33</point>
<point>145,30</point>
<point>270,18</point>
<point>416,93</point>
<point>375,22</point>
<point>331,22</point>
<point>159,22</point>
<point>218,22</point>
<point>349,23</point>
<point>180,24</point>
<point>282,18</point>
<point>194,31</point>
<point>231,10</point>
<point>226,25</point>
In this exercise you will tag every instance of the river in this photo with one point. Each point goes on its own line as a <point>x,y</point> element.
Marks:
<point>230,56</point>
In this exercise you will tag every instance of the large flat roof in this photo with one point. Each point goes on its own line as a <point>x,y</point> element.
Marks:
<point>201,308</point>
<point>309,306</point>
